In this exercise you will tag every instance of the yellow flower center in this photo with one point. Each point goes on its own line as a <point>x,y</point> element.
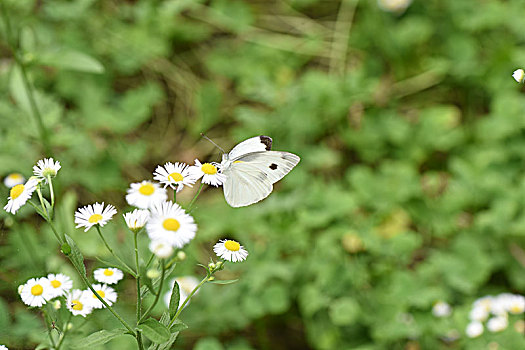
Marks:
<point>56,283</point>
<point>209,169</point>
<point>232,246</point>
<point>49,171</point>
<point>16,191</point>
<point>515,309</point>
<point>176,177</point>
<point>15,177</point>
<point>76,305</point>
<point>108,272</point>
<point>37,290</point>
<point>171,224</point>
<point>101,293</point>
<point>147,189</point>
<point>95,218</point>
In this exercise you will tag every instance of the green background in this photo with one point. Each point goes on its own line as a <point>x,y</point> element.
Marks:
<point>410,189</point>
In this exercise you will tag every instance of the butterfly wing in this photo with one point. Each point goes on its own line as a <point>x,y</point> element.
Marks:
<point>274,164</point>
<point>255,144</point>
<point>245,184</point>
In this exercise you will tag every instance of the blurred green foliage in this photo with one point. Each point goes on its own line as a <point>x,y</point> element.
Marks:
<point>409,126</point>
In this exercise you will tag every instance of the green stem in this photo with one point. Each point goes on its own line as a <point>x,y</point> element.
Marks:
<point>157,295</point>
<point>51,191</point>
<point>64,331</point>
<point>130,270</point>
<point>44,209</point>
<point>204,280</point>
<point>139,340</point>
<point>47,322</point>
<point>60,238</point>
<point>150,260</point>
<point>138,276</point>
<point>195,198</point>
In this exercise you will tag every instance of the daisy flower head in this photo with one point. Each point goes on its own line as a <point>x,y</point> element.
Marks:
<point>209,172</point>
<point>145,194</point>
<point>516,304</point>
<point>474,329</point>
<point>76,303</point>
<point>519,75</point>
<point>45,168</point>
<point>20,194</point>
<point>95,214</point>
<point>186,285</point>
<point>59,284</point>
<point>497,323</point>
<point>176,175</point>
<point>14,179</point>
<point>107,293</point>
<point>441,309</point>
<point>161,249</point>
<point>3,347</point>
<point>230,250</point>
<point>34,292</point>
<point>108,275</point>
<point>170,224</point>
<point>136,219</point>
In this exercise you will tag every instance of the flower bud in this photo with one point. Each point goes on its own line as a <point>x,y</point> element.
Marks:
<point>152,273</point>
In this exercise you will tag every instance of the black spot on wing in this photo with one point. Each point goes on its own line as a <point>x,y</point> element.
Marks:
<point>273,166</point>
<point>267,141</point>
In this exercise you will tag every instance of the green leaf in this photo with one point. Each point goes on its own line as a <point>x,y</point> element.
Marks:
<point>155,331</point>
<point>99,338</point>
<point>178,326</point>
<point>71,60</point>
<point>76,256</point>
<point>223,281</point>
<point>174,300</point>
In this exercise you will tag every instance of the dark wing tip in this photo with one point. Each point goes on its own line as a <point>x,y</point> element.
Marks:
<point>267,141</point>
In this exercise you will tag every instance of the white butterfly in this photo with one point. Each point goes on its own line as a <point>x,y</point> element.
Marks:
<point>251,169</point>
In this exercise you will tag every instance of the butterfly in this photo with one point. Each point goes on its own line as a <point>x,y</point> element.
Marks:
<point>251,169</point>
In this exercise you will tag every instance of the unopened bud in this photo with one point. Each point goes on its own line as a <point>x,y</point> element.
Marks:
<point>152,273</point>
<point>181,255</point>
<point>211,266</point>
<point>56,304</point>
<point>69,326</point>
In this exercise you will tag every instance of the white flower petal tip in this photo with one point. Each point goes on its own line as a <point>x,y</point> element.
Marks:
<point>209,172</point>
<point>176,175</point>
<point>136,219</point>
<point>145,194</point>
<point>230,250</point>
<point>20,194</point>
<point>14,179</point>
<point>45,168</point>
<point>108,275</point>
<point>95,214</point>
<point>170,224</point>
<point>519,75</point>
<point>161,249</point>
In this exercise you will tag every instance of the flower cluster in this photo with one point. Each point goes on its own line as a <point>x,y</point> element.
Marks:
<point>495,310</point>
<point>38,291</point>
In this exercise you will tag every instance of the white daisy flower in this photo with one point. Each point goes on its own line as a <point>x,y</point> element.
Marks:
<point>519,75</point>
<point>145,194</point>
<point>161,249</point>
<point>46,167</point>
<point>186,285</point>
<point>136,219</point>
<point>109,275</point>
<point>3,347</point>
<point>59,284</point>
<point>14,179</point>
<point>209,172</point>
<point>169,223</point>
<point>497,324</point>
<point>95,214</point>
<point>230,250</point>
<point>107,293</point>
<point>441,309</point>
<point>474,329</point>
<point>176,175</point>
<point>516,304</point>
<point>76,303</point>
<point>33,293</point>
<point>20,194</point>
<point>478,313</point>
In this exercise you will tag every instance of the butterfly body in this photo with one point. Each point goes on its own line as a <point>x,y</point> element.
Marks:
<point>251,169</point>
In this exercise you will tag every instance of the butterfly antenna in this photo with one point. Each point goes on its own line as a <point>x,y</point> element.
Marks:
<point>216,145</point>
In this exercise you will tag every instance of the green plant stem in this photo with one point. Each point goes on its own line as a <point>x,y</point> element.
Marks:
<point>195,198</point>
<point>52,193</point>
<point>64,332</point>
<point>139,340</point>
<point>50,223</point>
<point>130,270</point>
<point>157,295</point>
<point>150,260</point>
<point>204,280</point>
<point>138,276</point>
<point>44,209</point>
<point>47,322</point>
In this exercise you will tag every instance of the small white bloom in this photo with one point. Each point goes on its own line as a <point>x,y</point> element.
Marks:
<point>497,324</point>
<point>76,303</point>
<point>519,75</point>
<point>484,302</point>
<point>441,309</point>
<point>107,293</point>
<point>176,175</point>
<point>209,172</point>
<point>33,292</point>
<point>95,214</point>
<point>230,250</point>
<point>161,249</point>
<point>20,194</point>
<point>478,313</point>
<point>145,194</point>
<point>186,285</point>
<point>3,347</point>
<point>396,6</point>
<point>474,329</point>
<point>169,223</point>
<point>516,304</point>
<point>59,284</point>
<point>500,304</point>
<point>56,304</point>
<point>109,275</point>
<point>14,179</point>
<point>136,219</point>
<point>46,167</point>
